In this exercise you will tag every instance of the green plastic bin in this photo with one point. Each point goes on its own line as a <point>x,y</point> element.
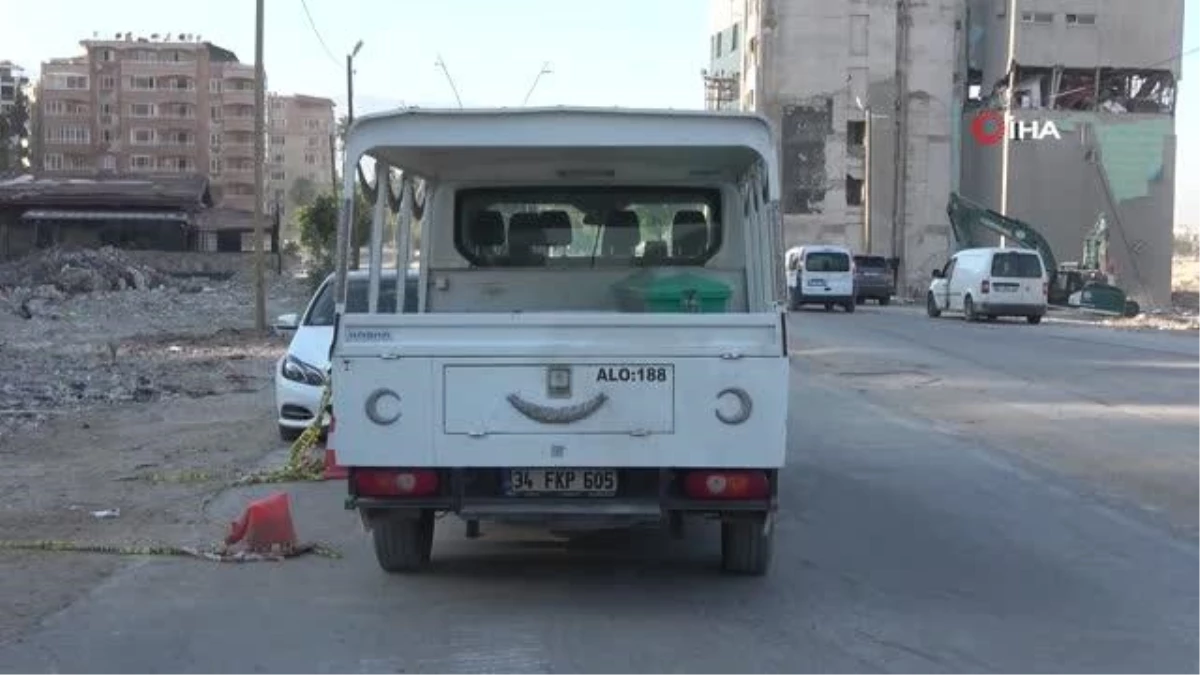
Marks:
<point>673,293</point>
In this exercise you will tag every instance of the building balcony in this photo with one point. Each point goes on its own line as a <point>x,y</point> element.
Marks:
<point>237,96</point>
<point>238,124</point>
<point>135,67</point>
<point>232,150</point>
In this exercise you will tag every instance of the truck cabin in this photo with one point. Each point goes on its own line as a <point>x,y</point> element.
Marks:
<point>567,210</point>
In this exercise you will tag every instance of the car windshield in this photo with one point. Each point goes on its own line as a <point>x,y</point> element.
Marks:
<point>323,310</point>
<point>1016,265</point>
<point>586,226</point>
<point>870,262</point>
<point>827,261</point>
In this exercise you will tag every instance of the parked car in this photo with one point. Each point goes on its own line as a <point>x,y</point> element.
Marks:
<point>990,282</point>
<point>873,279</point>
<point>820,275</point>
<point>300,373</point>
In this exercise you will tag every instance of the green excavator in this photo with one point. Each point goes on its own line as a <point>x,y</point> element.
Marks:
<point>1083,285</point>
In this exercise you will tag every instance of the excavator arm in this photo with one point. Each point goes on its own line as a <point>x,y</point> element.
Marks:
<point>969,219</point>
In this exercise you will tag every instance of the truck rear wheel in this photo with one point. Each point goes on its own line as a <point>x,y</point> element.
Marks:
<point>403,543</point>
<point>746,544</point>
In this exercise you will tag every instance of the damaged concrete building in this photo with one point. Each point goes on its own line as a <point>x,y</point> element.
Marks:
<point>829,75</point>
<point>1082,99</point>
<point>826,74</point>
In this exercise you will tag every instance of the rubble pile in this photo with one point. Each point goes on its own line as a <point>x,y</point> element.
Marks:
<point>71,272</point>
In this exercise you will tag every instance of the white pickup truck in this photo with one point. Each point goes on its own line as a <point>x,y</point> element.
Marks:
<point>600,334</point>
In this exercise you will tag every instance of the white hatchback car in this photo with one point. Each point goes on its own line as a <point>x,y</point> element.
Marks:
<point>300,374</point>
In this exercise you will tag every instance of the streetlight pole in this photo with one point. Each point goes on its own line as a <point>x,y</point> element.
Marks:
<point>260,151</point>
<point>350,120</point>
<point>350,82</point>
<point>544,71</point>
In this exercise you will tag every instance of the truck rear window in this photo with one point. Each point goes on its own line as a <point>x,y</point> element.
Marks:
<point>824,261</point>
<point>586,226</point>
<point>1016,265</point>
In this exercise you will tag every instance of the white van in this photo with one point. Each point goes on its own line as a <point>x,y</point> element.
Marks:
<point>990,282</point>
<point>820,275</point>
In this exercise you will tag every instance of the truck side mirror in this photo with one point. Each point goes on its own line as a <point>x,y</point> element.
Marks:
<point>937,274</point>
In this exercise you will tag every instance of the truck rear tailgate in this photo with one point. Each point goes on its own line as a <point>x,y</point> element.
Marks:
<point>560,390</point>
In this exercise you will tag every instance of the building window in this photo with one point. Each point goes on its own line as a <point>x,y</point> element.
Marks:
<point>53,162</point>
<point>142,110</point>
<point>55,107</point>
<point>214,85</point>
<point>1037,17</point>
<point>71,135</point>
<point>141,83</point>
<point>108,163</point>
<point>214,165</point>
<point>1081,19</point>
<point>278,175</point>
<point>108,82</point>
<point>141,137</point>
<point>856,133</point>
<point>214,112</point>
<point>145,55</point>
<point>733,38</point>
<point>106,55</point>
<point>314,141</point>
<point>140,162</point>
<point>78,163</point>
<point>77,82</point>
<point>107,135</point>
<point>277,140</point>
<point>854,191</point>
<point>277,158</point>
<point>717,45</point>
<point>177,83</point>
<point>107,109</point>
<point>310,158</point>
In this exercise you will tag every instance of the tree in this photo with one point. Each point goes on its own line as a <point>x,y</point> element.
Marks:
<point>318,223</point>
<point>302,192</point>
<point>14,122</point>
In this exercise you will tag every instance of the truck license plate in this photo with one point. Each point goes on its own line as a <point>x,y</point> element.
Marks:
<point>598,482</point>
<point>816,282</point>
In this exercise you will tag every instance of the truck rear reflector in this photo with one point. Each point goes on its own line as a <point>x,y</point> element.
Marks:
<point>394,482</point>
<point>726,485</point>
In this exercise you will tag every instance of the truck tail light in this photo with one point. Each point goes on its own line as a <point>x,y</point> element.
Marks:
<point>726,485</point>
<point>985,286</point>
<point>394,482</point>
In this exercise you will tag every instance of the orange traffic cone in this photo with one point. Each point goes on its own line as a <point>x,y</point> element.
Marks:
<point>265,526</point>
<point>333,471</point>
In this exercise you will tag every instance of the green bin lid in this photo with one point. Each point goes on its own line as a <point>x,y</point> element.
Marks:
<point>677,285</point>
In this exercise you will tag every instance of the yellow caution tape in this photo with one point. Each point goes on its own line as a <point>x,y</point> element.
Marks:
<point>215,555</point>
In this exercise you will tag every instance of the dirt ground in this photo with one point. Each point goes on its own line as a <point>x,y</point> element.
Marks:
<point>104,394</point>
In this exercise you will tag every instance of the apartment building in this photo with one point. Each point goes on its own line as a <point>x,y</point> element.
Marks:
<point>1072,116</point>
<point>299,159</point>
<point>825,74</point>
<point>151,105</point>
<point>12,79</point>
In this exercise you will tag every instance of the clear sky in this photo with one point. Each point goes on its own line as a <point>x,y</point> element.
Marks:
<point>645,53</point>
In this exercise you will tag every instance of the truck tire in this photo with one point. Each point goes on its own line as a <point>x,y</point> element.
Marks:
<point>403,544</point>
<point>884,300</point>
<point>849,307</point>
<point>289,434</point>
<point>746,545</point>
<point>969,314</point>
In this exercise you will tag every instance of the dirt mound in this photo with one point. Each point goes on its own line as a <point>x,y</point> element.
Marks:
<point>71,272</point>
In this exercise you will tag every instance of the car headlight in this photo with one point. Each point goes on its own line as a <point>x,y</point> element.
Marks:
<point>298,371</point>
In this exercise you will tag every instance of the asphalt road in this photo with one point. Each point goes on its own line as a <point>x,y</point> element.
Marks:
<point>947,507</point>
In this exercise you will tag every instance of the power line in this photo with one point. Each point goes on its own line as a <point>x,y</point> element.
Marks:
<point>313,24</point>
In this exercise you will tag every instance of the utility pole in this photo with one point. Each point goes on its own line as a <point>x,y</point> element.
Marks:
<point>900,148</point>
<point>260,150</point>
